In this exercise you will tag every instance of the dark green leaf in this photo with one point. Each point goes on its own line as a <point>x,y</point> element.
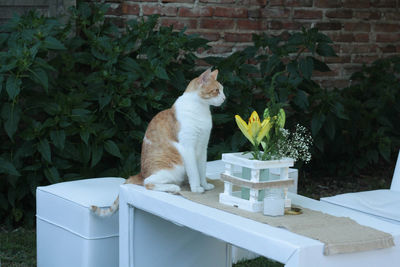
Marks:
<point>301,100</point>
<point>3,202</point>
<point>85,152</point>
<point>384,148</point>
<point>85,136</point>
<point>1,83</point>
<point>8,168</point>
<point>18,213</point>
<point>237,141</point>
<point>126,102</point>
<point>44,149</point>
<point>385,121</point>
<point>134,117</point>
<point>325,50</point>
<point>372,155</point>
<point>220,118</point>
<point>51,108</point>
<point>108,133</point>
<point>80,112</point>
<point>130,64</point>
<point>58,138</point>
<point>83,57</point>
<point>292,68</point>
<point>249,68</point>
<point>111,116</point>
<point>273,61</point>
<point>306,66</point>
<point>104,100</point>
<point>62,164</point>
<point>295,81</point>
<point>52,43</point>
<point>13,86</point>
<point>41,77</point>
<point>319,143</point>
<point>161,73</point>
<point>99,55</point>
<point>329,127</point>
<point>11,116</point>
<point>142,104</point>
<point>70,151</point>
<point>97,153</point>
<point>52,175</point>
<point>3,38</point>
<point>26,149</point>
<point>296,39</point>
<point>316,123</point>
<point>80,115</point>
<point>49,123</point>
<point>130,164</point>
<point>33,167</point>
<point>320,66</point>
<point>339,111</point>
<point>323,38</point>
<point>64,123</point>
<point>41,63</point>
<point>137,135</point>
<point>8,67</point>
<point>85,9</point>
<point>11,196</point>
<point>112,148</point>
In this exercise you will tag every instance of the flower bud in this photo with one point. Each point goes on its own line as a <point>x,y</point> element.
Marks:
<point>281,118</point>
<point>266,113</point>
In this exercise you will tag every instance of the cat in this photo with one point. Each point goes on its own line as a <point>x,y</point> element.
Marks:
<point>175,143</point>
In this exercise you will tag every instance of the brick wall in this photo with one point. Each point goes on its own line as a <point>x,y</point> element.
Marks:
<point>46,7</point>
<point>362,30</point>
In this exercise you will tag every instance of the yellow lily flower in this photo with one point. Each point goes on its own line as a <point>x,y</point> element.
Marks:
<point>255,130</point>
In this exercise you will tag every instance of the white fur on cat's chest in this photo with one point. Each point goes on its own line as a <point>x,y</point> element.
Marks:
<point>193,117</point>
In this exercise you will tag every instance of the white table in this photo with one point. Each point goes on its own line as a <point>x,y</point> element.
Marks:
<point>145,233</point>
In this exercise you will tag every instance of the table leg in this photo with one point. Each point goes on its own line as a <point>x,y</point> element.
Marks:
<point>150,241</point>
<point>126,227</point>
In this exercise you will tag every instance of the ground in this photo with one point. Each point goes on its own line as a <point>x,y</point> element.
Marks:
<point>18,246</point>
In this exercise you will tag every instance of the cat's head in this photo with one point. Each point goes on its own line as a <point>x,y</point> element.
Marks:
<point>208,88</point>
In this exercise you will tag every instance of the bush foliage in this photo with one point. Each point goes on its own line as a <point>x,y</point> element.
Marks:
<point>358,125</point>
<point>76,98</point>
<point>289,60</point>
<point>353,128</point>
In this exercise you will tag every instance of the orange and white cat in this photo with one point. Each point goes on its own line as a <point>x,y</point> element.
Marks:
<point>175,143</point>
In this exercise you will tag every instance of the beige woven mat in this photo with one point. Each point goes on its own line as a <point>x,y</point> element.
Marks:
<point>339,234</point>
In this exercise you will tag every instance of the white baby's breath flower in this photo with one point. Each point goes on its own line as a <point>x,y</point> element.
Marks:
<point>295,145</point>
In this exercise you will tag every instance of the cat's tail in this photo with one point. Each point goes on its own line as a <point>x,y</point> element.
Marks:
<point>108,211</point>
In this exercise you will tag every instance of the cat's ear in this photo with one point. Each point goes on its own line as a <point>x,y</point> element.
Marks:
<point>205,76</point>
<point>214,74</point>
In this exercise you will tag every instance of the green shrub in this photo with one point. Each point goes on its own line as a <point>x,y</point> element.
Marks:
<point>358,126</point>
<point>353,128</point>
<point>247,77</point>
<point>76,97</point>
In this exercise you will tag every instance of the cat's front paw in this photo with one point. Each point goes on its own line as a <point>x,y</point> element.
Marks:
<point>208,186</point>
<point>197,189</point>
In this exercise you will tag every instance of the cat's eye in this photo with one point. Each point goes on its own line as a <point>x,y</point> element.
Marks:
<point>217,90</point>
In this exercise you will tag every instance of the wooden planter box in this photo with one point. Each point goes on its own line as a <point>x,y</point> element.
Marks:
<point>253,179</point>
